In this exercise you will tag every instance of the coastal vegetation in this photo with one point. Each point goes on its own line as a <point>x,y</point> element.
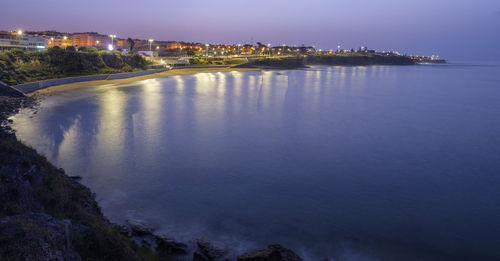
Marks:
<point>337,59</point>
<point>17,66</point>
<point>355,59</point>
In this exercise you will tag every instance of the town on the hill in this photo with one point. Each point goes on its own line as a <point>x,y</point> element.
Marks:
<point>41,40</point>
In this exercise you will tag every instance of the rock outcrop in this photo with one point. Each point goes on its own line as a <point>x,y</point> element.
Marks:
<point>36,236</point>
<point>209,252</point>
<point>273,252</point>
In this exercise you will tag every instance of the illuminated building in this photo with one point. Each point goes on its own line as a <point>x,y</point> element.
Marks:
<point>59,40</point>
<point>90,39</point>
<point>21,41</point>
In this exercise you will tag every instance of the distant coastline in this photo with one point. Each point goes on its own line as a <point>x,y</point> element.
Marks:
<point>287,63</point>
<point>32,71</point>
<point>337,60</point>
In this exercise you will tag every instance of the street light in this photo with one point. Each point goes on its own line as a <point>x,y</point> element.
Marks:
<point>150,42</point>
<point>19,34</point>
<point>112,36</point>
<point>206,45</point>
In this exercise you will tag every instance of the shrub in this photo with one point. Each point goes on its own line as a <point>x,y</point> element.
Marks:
<point>17,66</point>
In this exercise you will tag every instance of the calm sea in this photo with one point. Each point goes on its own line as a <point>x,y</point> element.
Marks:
<point>354,163</point>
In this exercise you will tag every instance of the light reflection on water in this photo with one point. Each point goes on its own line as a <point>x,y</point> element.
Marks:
<point>347,162</point>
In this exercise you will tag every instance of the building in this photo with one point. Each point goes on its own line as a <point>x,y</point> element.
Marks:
<point>21,41</point>
<point>172,45</point>
<point>121,44</point>
<point>62,41</point>
<point>53,38</point>
<point>90,39</point>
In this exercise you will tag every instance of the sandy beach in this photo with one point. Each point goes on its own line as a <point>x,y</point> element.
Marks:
<point>174,72</point>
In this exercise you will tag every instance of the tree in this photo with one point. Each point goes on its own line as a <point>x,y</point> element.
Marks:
<point>131,44</point>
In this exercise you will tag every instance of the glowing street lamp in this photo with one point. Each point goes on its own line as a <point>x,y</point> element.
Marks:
<point>19,34</point>
<point>150,42</point>
<point>112,36</point>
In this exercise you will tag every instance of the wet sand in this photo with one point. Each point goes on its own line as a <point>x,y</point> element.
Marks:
<point>174,72</point>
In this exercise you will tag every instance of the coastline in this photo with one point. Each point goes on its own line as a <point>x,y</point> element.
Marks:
<point>173,72</point>
<point>288,63</point>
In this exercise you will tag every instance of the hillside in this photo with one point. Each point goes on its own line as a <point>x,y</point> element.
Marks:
<point>18,66</point>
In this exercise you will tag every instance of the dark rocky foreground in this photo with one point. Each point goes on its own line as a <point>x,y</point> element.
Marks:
<point>46,215</point>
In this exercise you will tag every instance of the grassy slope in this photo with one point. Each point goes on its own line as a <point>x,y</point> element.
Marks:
<point>18,66</point>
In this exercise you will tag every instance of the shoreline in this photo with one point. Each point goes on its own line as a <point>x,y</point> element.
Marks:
<point>173,72</point>
<point>257,65</point>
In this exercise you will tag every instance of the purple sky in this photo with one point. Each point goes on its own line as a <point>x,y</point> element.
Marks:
<point>454,29</point>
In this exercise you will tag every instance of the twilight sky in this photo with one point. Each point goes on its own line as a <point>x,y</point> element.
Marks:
<point>455,29</point>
